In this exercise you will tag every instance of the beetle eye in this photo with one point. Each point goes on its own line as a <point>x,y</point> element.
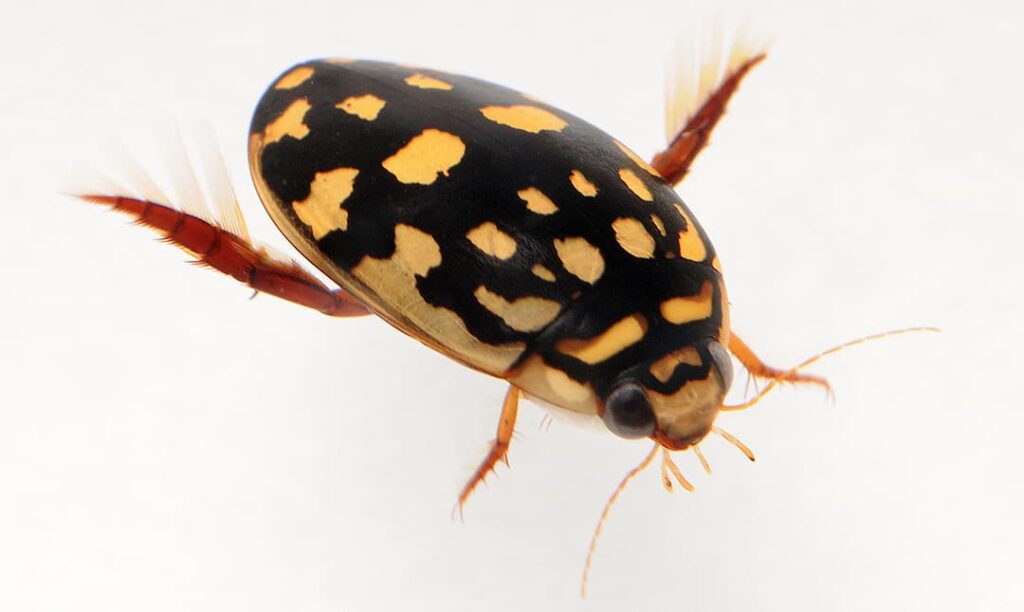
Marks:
<point>627,412</point>
<point>722,362</point>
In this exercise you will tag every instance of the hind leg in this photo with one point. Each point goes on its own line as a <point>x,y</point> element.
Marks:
<point>236,256</point>
<point>674,162</point>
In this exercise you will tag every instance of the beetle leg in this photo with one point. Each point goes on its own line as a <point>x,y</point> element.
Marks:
<point>674,162</point>
<point>499,449</point>
<point>760,369</point>
<point>236,256</point>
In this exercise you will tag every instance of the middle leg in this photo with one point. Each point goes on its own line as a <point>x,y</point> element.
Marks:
<point>499,449</point>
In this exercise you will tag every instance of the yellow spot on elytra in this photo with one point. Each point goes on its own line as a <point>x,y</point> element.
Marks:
<point>365,107</point>
<point>636,159</point>
<point>425,156</point>
<point>635,184</point>
<point>717,265</point>
<point>543,273</point>
<point>581,184</point>
<point>663,368</point>
<point>679,310</point>
<point>288,123</point>
<point>633,237</point>
<point>294,78</point>
<point>554,386</point>
<point>525,314</point>
<point>491,240</point>
<point>322,210</point>
<point>690,411</point>
<point>537,201</point>
<point>690,245</point>
<point>580,258</point>
<point>658,223</point>
<point>524,117</point>
<point>564,386</point>
<point>426,82</point>
<point>615,339</point>
<point>392,287</point>
<point>417,250</point>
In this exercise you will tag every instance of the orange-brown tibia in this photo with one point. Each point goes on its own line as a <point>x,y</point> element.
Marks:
<point>235,256</point>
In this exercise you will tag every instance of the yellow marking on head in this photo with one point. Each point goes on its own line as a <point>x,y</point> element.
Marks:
<point>524,117</point>
<point>690,245</point>
<point>633,237</point>
<point>366,107</point>
<point>679,310</point>
<point>339,60</point>
<point>426,82</point>
<point>525,314</point>
<point>663,368</point>
<point>636,159</point>
<point>543,273</point>
<point>635,184</point>
<point>417,249</point>
<point>581,184</point>
<point>580,258</point>
<point>620,336</point>
<point>322,210</point>
<point>658,223</point>
<point>491,240</point>
<point>537,201</point>
<point>688,413</point>
<point>426,155</point>
<point>294,78</point>
<point>288,123</point>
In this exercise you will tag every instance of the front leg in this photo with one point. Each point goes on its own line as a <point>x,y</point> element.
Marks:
<point>499,449</point>
<point>760,369</point>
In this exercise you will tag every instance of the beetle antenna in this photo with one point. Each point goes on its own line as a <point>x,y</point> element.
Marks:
<point>731,439</point>
<point>665,480</point>
<point>814,359</point>
<point>666,461</point>
<point>703,460</point>
<point>604,514</point>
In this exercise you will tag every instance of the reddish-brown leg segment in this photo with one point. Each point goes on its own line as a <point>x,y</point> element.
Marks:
<point>499,449</point>
<point>674,162</point>
<point>235,256</point>
<point>760,369</point>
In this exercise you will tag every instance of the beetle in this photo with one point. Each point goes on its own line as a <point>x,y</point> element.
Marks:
<point>509,235</point>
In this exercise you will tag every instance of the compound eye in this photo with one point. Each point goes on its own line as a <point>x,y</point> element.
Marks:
<point>627,412</point>
<point>722,362</point>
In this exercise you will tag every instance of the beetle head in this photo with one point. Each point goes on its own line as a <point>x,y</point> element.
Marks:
<point>674,400</point>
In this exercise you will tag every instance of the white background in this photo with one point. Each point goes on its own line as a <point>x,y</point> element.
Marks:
<point>166,444</point>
